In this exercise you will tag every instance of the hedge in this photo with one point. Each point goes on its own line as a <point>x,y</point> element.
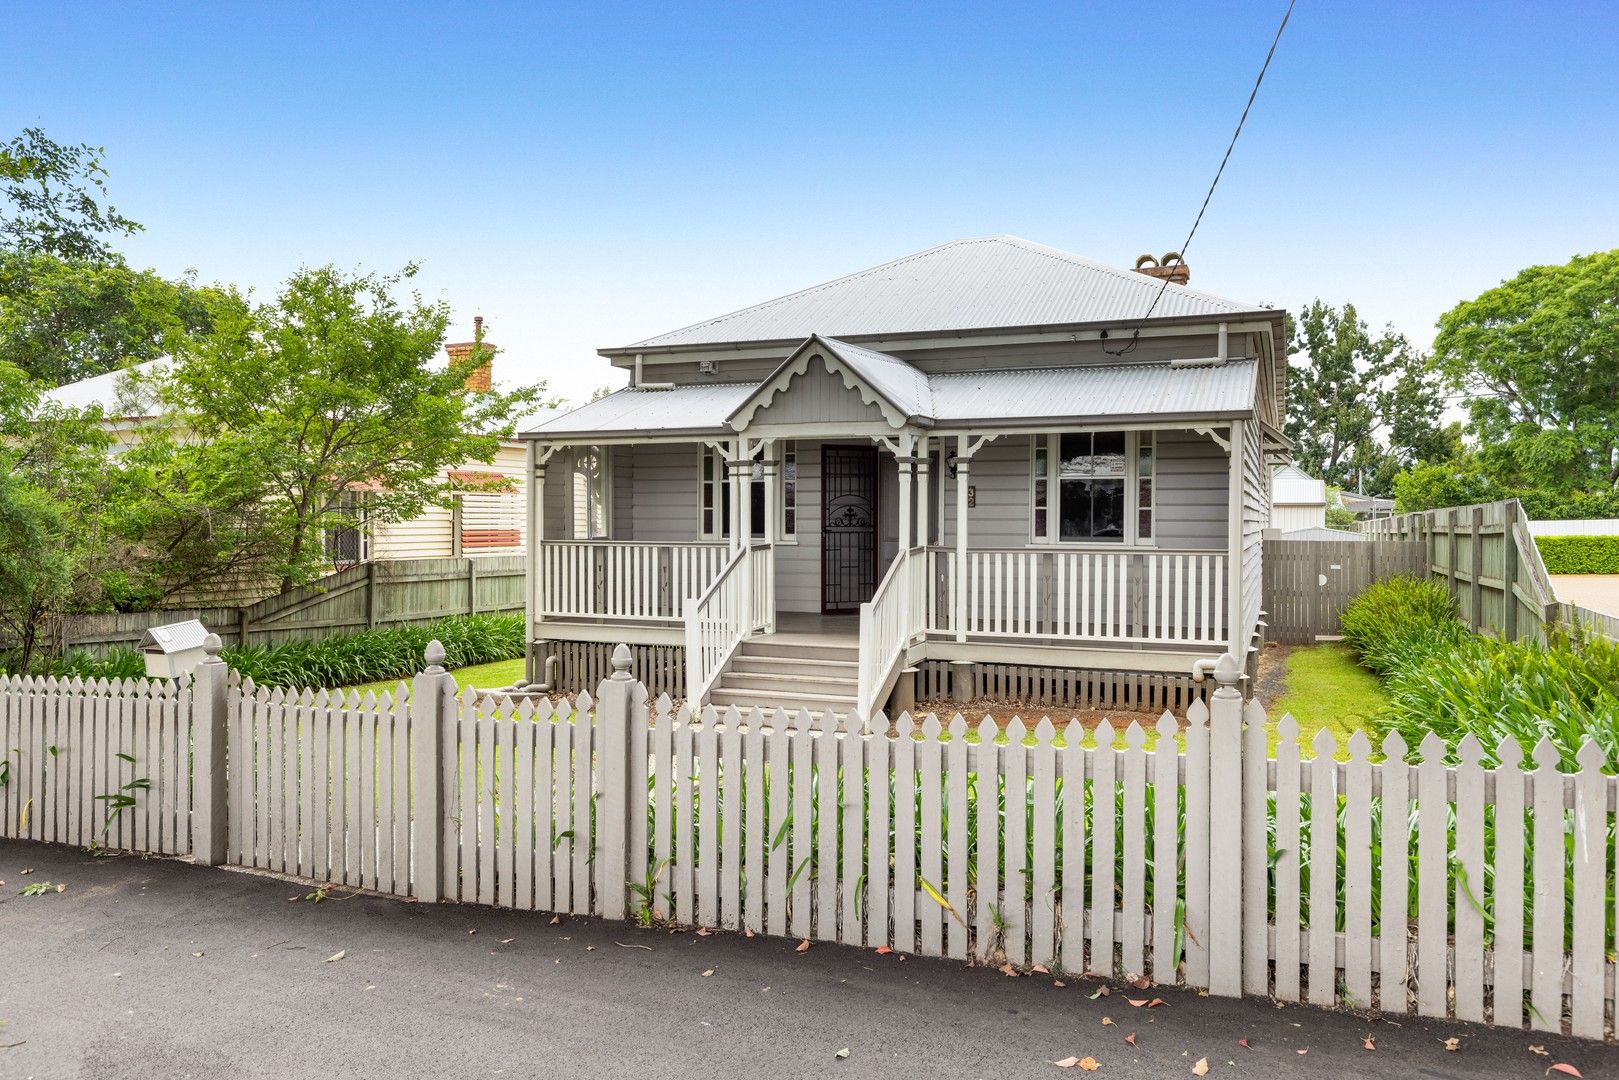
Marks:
<point>1579,554</point>
<point>347,660</point>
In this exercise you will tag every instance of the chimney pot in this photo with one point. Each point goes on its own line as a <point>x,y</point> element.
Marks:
<point>1169,266</point>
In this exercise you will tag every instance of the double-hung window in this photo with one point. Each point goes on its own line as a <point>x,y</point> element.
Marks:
<point>1092,487</point>
<point>715,496</point>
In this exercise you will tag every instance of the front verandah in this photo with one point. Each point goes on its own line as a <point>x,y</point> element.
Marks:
<point>1106,606</point>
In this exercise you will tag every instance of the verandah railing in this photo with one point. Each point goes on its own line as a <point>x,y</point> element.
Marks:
<point>624,580</point>
<point>889,622</point>
<point>1441,886</point>
<point>1148,597</point>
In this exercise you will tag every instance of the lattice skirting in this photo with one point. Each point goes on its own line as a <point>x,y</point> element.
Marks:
<point>587,663</point>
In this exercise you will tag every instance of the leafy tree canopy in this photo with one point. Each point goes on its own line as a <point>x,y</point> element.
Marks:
<point>1538,359</point>
<point>57,199</point>
<point>1361,406</point>
<point>333,389</point>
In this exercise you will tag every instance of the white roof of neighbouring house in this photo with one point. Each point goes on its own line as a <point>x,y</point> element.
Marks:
<point>1292,486</point>
<point>110,392</point>
<point>1110,392</point>
<point>978,283</point>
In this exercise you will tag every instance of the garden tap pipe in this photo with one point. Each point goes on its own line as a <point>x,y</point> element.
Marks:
<point>1202,666</point>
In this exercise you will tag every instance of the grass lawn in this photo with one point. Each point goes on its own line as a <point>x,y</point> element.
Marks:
<point>482,676</point>
<point>1325,688</point>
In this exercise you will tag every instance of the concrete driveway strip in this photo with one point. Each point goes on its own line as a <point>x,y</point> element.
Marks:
<point>157,968</point>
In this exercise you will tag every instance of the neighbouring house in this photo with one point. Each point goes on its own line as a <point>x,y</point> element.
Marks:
<point>484,517</point>
<point>1297,500</point>
<point>1368,507</point>
<point>979,469</point>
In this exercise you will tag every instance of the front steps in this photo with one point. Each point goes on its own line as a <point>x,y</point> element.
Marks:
<point>789,672</point>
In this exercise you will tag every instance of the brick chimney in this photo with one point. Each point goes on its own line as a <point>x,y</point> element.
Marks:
<point>1170,266</point>
<point>479,379</point>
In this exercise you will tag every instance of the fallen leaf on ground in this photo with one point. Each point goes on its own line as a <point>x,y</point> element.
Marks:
<point>703,931</point>
<point>196,954</point>
<point>556,920</point>
<point>1541,1050</point>
<point>1564,1067</point>
<point>747,933</point>
<point>1155,1002</point>
<point>883,950</point>
<point>472,930</point>
<point>590,948</point>
<point>1244,1044</point>
<point>803,946</point>
<point>841,1054</point>
<point>622,945</point>
<point>1130,1038</point>
<point>1009,971</point>
<point>1107,1021</point>
<point>1101,991</point>
<point>1369,1044</point>
<point>1453,1043</point>
<point>1141,982</point>
<point>1058,982</point>
<point>1201,1068</point>
<point>1137,1002</point>
<point>707,973</point>
<point>26,870</point>
<point>507,940</point>
<point>1066,1063</point>
<point>1040,969</point>
<point>336,956</point>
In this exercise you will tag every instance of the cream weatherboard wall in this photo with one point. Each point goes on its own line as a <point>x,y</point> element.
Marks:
<point>431,534</point>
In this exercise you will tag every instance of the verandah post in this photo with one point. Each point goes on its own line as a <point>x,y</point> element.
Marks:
<point>427,697</point>
<point>1226,852</point>
<point>617,704</point>
<point>210,748</point>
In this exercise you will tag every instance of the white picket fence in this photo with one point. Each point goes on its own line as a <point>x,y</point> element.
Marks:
<point>1184,855</point>
<point>100,762</point>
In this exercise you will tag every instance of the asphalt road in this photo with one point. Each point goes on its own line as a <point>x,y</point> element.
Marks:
<point>156,968</point>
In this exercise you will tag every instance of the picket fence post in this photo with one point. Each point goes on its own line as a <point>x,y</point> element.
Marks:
<point>1225,830</point>
<point>616,701</point>
<point>210,747</point>
<point>426,759</point>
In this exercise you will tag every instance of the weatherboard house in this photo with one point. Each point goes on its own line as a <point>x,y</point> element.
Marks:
<point>988,469</point>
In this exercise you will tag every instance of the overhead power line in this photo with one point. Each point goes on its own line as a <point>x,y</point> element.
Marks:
<point>1135,335</point>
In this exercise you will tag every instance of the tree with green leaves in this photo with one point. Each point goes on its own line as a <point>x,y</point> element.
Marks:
<point>1538,360</point>
<point>332,389</point>
<point>57,199</point>
<point>58,488</point>
<point>1360,405</point>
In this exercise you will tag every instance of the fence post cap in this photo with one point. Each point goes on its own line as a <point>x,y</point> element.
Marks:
<point>434,655</point>
<point>211,646</point>
<point>1227,672</point>
<point>621,662</point>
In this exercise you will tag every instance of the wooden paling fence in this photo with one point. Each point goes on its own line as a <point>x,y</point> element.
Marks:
<point>1455,884</point>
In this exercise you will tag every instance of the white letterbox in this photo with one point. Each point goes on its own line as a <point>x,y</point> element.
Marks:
<point>173,650</point>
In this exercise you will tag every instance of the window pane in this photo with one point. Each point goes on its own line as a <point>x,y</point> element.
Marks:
<point>1108,453</point>
<point>1144,525</point>
<point>1040,521</point>
<point>1075,499</point>
<point>1076,455</point>
<point>1040,493</point>
<point>708,465</point>
<point>1144,499</point>
<point>1107,510</point>
<point>792,522</point>
<point>1146,455</point>
<point>756,509</point>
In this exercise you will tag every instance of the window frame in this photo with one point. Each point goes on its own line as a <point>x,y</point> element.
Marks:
<point>1048,445</point>
<point>599,493</point>
<point>719,480</point>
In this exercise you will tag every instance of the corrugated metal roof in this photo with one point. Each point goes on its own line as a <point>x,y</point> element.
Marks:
<point>112,392</point>
<point>1319,532</point>
<point>901,383</point>
<point>175,637</point>
<point>698,408</point>
<point>1095,393</point>
<point>969,284</point>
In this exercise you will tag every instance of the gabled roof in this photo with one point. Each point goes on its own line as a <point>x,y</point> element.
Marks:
<point>979,283</point>
<point>1092,394</point>
<point>1292,486</point>
<point>901,390</point>
<point>112,392</point>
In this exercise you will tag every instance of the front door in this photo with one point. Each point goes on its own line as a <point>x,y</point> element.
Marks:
<point>848,527</point>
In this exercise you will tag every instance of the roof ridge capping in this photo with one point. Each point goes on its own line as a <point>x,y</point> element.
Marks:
<point>972,283</point>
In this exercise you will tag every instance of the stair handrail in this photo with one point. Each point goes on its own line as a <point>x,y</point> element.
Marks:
<point>715,625</point>
<point>887,628</point>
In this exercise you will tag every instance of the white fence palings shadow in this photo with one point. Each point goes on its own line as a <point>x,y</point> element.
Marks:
<point>76,752</point>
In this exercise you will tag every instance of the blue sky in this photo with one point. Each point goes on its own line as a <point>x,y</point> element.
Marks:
<point>587,175</point>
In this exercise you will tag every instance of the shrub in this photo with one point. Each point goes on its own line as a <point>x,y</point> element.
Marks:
<point>1579,554</point>
<point>376,655</point>
<point>372,656</point>
<point>1397,615</point>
